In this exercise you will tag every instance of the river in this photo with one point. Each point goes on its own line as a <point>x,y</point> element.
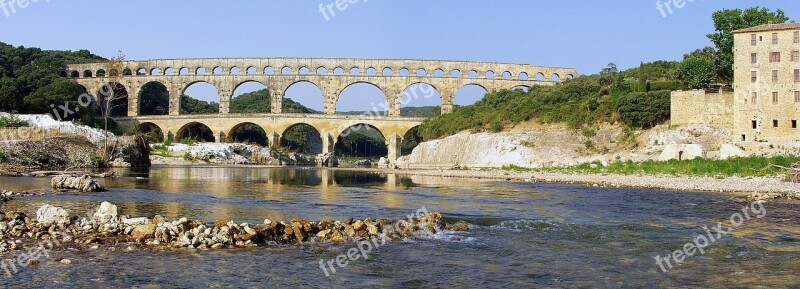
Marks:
<point>522,234</point>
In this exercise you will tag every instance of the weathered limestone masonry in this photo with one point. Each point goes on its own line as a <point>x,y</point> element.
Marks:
<point>330,75</point>
<point>701,107</point>
<point>767,83</point>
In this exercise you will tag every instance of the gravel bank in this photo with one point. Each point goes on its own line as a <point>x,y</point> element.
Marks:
<point>735,185</point>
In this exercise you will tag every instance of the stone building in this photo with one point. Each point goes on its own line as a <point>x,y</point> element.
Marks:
<point>766,106</point>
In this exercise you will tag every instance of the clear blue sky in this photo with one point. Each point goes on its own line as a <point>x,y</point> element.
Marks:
<point>585,35</point>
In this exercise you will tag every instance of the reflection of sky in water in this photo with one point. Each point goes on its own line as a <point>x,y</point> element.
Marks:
<point>522,235</point>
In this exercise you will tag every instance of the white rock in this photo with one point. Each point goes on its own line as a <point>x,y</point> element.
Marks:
<point>107,212</point>
<point>49,215</point>
<point>135,221</point>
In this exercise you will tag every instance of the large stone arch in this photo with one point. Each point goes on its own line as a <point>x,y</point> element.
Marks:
<point>153,131</point>
<point>341,145</point>
<point>279,97</point>
<point>140,98</point>
<point>119,91</point>
<point>189,84</point>
<point>466,85</point>
<point>232,133</point>
<point>186,132</point>
<point>388,98</point>
<point>243,82</point>
<point>341,132</point>
<point>409,141</point>
<point>406,97</point>
<point>316,133</point>
<point>283,129</point>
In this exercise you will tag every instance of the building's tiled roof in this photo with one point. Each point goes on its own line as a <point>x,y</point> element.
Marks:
<point>769,27</point>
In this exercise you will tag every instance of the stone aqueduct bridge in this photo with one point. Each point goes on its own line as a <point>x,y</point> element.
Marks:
<point>330,75</point>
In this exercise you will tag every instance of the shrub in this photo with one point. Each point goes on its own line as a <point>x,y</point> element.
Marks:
<point>645,110</point>
<point>588,132</point>
<point>11,120</point>
<point>666,85</point>
<point>496,126</point>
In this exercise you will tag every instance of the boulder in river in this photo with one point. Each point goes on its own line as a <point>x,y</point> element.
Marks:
<point>144,232</point>
<point>107,212</point>
<point>83,183</point>
<point>49,215</point>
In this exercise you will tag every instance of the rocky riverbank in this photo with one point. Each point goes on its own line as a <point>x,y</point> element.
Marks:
<point>66,145</point>
<point>106,227</point>
<point>234,154</point>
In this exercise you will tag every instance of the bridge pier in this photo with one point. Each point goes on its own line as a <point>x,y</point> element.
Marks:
<point>220,137</point>
<point>169,136</point>
<point>224,102</point>
<point>277,101</point>
<point>274,140</point>
<point>394,143</point>
<point>447,96</point>
<point>175,92</point>
<point>328,143</point>
<point>133,101</point>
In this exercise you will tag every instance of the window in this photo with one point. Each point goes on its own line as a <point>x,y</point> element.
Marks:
<point>744,137</point>
<point>753,76</point>
<point>775,123</point>
<point>774,97</point>
<point>796,56</point>
<point>775,57</point>
<point>753,58</point>
<point>752,40</point>
<point>755,124</point>
<point>775,76</point>
<point>797,37</point>
<point>774,38</point>
<point>754,98</point>
<point>794,123</point>
<point>797,75</point>
<point>797,96</point>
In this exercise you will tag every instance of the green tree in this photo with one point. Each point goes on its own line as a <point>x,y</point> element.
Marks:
<point>707,52</point>
<point>61,92</point>
<point>10,99</point>
<point>644,110</point>
<point>642,77</point>
<point>698,72</point>
<point>728,20</point>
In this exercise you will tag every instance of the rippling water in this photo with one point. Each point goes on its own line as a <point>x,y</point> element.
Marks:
<point>522,234</point>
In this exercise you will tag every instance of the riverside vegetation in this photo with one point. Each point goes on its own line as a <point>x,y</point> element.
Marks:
<point>735,167</point>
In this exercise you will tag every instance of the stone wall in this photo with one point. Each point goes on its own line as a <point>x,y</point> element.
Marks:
<point>701,107</point>
<point>28,133</point>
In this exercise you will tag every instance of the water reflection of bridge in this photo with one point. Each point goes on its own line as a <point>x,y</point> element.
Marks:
<point>228,189</point>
